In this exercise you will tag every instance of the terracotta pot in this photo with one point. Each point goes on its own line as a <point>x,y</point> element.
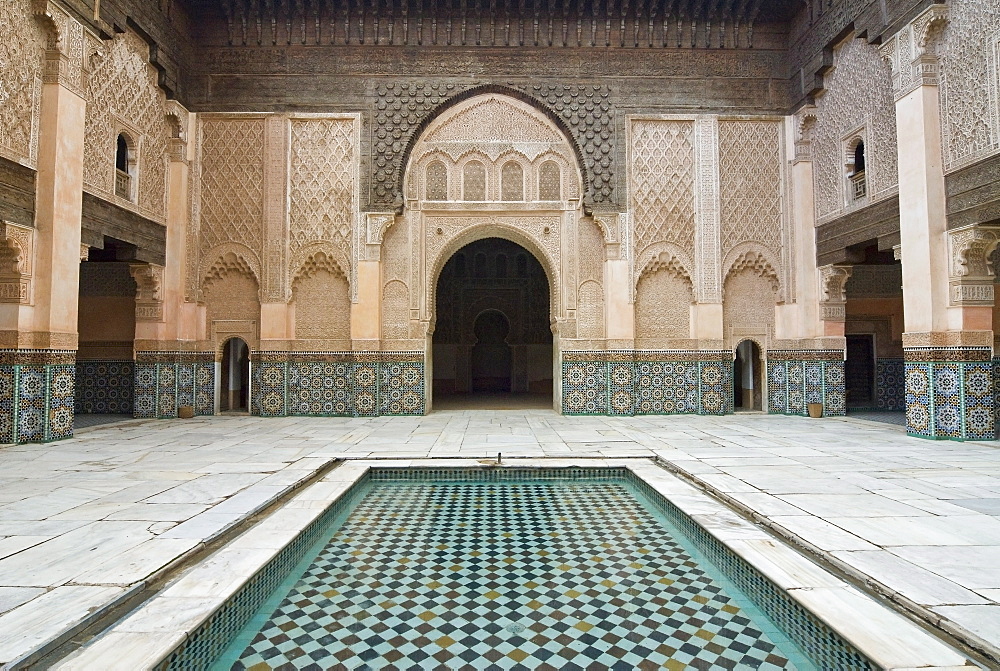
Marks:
<point>185,411</point>
<point>815,409</point>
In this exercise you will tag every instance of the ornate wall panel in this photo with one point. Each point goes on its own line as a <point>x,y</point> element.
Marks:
<point>232,301</point>
<point>323,183</point>
<point>395,311</point>
<point>661,170</point>
<point>750,183</point>
<point>749,296</point>
<point>662,306</point>
<point>322,306</point>
<point>232,182</point>
<point>858,96</point>
<point>970,82</point>
<point>22,54</point>
<point>123,97</point>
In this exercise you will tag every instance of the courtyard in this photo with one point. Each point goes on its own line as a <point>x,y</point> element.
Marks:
<point>87,523</point>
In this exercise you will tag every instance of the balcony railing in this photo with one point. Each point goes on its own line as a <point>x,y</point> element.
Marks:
<point>123,185</point>
<point>859,186</point>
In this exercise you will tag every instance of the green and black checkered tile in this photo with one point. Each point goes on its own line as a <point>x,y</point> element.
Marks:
<point>507,576</point>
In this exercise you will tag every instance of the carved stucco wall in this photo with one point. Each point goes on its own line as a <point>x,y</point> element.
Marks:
<point>22,54</point>
<point>750,185</point>
<point>858,98</point>
<point>322,306</point>
<point>230,293</point>
<point>590,275</point>
<point>323,189</point>
<point>750,292</point>
<point>970,82</point>
<point>663,305</point>
<point>662,197</point>
<point>231,190</point>
<point>123,98</point>
<point>494,130</point>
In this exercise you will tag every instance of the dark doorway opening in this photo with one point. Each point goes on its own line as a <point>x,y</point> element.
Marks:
<point>235,383</point>
<point>492,344</point>
<point>748,377</point>
<point>859,371</point>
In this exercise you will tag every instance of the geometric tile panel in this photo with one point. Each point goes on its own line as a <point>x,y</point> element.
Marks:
<point>37,389</point>
<point>793,383</point>
<point>890,385</point>
<point>951,397</point>
<point>626,382</point>
<point>338,384</point>
<point>105,387</point>
<point>164,381</point>
<point>403,583</point>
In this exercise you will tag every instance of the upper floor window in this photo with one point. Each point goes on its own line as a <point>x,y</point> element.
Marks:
<point>474,181</point>
<point>856,181</point>
<point>512,181</point>
<point>549,187</point>
<point>124,168</point>
<point>436,187</point>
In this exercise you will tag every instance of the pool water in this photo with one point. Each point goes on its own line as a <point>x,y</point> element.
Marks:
<point>507,575</point>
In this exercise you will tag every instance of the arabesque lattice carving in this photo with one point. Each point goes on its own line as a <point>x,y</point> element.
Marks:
<point>21,60</point>
<point>402,108</point>
<point>969,60</point>
<point>232,181</point>
<point>662,172</point>
<point>322,300</point>
<point>756,263</point>
<point>750,184</point>
<point>858,95</point>
<point>123,96</point>
<point>663,301</point>
<point>323,182</point>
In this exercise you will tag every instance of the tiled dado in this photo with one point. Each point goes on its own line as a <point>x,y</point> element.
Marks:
<point>949,393</point>
<point>636,382</point>
<point>890,384</point>
<point>36,395</point>
<point>105,387</point>
<point>164,381</point>
<point>796,378</point>
<point>338,384</point>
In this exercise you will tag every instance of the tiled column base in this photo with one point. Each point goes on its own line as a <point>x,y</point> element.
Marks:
<point>949,393</point>
<point>104,387</point>
<point>164,381</point>
<point>36,395</point>
<point>338,384</point>
<point>636,382</point>
<point>796,378</point>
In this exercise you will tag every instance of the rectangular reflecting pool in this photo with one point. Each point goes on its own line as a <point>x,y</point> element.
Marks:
<point>577,568</point>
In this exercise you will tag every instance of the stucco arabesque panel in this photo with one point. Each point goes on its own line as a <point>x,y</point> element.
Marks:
<point>401,109</point>
<point>123,97</point>
<point>969,58</point>
<point>858,96</point>
<point>324,189</point>
<point>21,62</point>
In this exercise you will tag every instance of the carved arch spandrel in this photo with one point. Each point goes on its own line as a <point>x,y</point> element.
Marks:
<point>225,259</point>
<point>320,256</point>
<point>664,255</point>
<point>754,257</point>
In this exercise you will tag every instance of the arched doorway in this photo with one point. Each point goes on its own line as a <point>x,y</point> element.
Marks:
<point>492,342</point>
<point>234,387</point>
<point>748,377</point>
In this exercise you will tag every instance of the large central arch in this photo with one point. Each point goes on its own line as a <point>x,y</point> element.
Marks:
<point>493,166</point>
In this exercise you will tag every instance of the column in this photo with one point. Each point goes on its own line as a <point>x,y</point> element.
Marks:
<point>947,358</point>
<point>40,332</point>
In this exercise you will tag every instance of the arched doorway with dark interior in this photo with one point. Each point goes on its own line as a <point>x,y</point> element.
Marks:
<point>748,377</point>
<point>492,341</point>
<point>234,384</point>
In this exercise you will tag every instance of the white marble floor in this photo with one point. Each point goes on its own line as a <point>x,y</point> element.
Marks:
<point>84,521</point>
